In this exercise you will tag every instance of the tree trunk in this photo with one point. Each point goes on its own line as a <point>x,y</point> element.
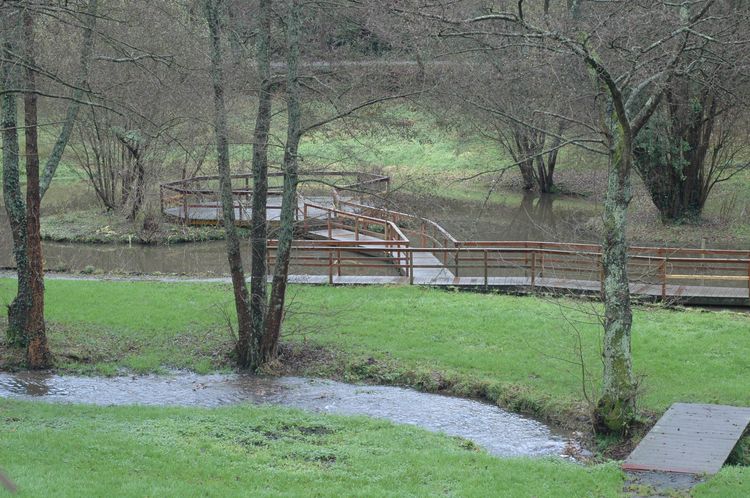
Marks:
<point>241,296</point>
<point>270,340</point>
<point>616,408</point>
<point>37,352</point>
<point>16,209</point>
<point>259,226</point>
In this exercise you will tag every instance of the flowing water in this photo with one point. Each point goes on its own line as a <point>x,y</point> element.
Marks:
<point>500,432</point>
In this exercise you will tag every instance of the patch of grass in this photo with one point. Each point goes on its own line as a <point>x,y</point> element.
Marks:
<point>99,227</point>
<point>65,450</point>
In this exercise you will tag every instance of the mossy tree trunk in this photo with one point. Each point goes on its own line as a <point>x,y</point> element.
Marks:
<point>270,341</point>
<point>234,256</point>
<point>15,205</point>
<point>616,408</point>
<point>259,225</point>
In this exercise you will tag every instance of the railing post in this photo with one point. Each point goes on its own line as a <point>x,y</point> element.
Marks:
<point>338,262</point>
<point>356,228</point>
<point>663,277</point>
<point>486,273</point>
<point>330,266</point>
<point>328,220</point>
<point>304,216</point>
<point>455,273</point>
<point>411,267</point>
<point>533,270</point>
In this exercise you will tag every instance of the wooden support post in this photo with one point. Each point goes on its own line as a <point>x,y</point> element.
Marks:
<point>330,231</point>
<point>338,262</point>
<point>356,228</point>
<point>663,275</point>
<point>330,266</point>
<point>533,270</point>
<point>486,272</point>
<point>455,273</point>
<point>304,216</point>
<point>411,267</point>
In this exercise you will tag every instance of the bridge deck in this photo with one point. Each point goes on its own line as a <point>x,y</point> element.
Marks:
<point>422,259</point>
<point>690,439</point>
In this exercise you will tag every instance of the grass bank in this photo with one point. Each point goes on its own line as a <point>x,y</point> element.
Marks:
<point>254,451</point>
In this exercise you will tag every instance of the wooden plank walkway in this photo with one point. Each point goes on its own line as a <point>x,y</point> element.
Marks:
<point>421,259</point>
<point>690,439</point>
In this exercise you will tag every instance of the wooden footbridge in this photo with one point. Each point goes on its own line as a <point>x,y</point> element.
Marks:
<point>346,240</point>
<point>690,439</point>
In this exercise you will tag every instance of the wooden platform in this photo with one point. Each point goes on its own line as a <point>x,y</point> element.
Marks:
<point>690,439</point>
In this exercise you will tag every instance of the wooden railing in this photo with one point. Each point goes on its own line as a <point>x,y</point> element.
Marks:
<point>389,237</point>
<point>180,198</point>
<point>546,265</point>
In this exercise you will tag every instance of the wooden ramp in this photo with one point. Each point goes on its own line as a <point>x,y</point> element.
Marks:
<point>435,271</point>
<point>690,439</point>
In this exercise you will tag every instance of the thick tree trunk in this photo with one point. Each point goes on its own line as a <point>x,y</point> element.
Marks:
<point>37,352</point>
<point>616,407</point>
<point>270,340</point>
<point>241,296</point>
<point>259,226</point>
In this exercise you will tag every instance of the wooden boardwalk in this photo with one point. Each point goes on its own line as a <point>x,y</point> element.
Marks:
<point>690,439</point>
<point>426,267</point>
<point>423,253</point>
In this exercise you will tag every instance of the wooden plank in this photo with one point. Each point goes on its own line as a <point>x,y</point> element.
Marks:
<point>690,438</point>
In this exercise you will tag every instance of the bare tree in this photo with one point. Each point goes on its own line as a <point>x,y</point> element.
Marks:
<point>26,312</point>
<point>632,51</point>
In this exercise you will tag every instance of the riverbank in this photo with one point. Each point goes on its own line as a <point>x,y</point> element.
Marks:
<point>526,353</point>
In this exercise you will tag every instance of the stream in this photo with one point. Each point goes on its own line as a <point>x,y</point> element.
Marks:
<point>499,432</point>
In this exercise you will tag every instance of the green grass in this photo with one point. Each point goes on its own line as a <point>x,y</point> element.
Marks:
<point>518,345</point>
<point>514,350</point>
<point>60,450</point>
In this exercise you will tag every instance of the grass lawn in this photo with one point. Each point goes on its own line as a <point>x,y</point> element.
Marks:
<point>61,450</point>
<point>514,350</point>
